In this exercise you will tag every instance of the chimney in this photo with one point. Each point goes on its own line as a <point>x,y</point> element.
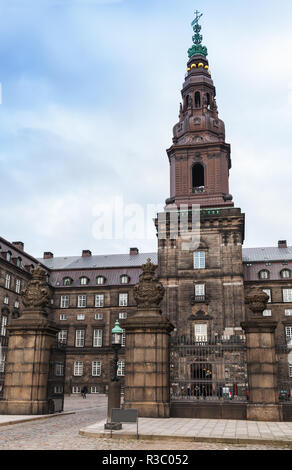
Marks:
<point>86,253</point>
<point>134,251</point>
<point>18,245</point>
<point>48,255</point>
<point>282,244</point>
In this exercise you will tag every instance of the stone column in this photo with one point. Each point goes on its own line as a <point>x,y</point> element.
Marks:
<point>31,337</point>
<point>261,360</point>
<point>147,350</point>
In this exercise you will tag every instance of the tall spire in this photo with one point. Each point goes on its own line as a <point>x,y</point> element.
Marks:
<point>197,48</point>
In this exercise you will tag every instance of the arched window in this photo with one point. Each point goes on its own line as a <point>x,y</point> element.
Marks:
<point>67,281</point>
<point>198,176</point>
<point>285,274</point>
<point>208,101</point>
<point>264,274</point>
<point>197,99</point>
<point>100,280</point>
<point>84,281</point>
<point>124,279</point>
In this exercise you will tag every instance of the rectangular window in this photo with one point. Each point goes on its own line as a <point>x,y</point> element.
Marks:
<point>7,281</point>
<point>290,370</point>
<point>124,339</point>
<point>98,316</point>
<point>201,332</point>
<point>62,336</point>
<point>2,362</point>
<point>81,301</point>
<point>122,315</point>
<point>63,316</point>
<point>59,368</point>
<point>16,304</point>
<point>267,313</point>
<point>200,290</point>
<point>17,286</point>
<point>96,368</point>
<point>268,292</point>
<point>287,295</point>
<point>3,325</point>
<point>288,312</point>
<point>289,335</point>
<point>99,300</point>
<point>79,338</point>
<point>94,390</point>
<point>76,389</point>
<point>6,300</point>
<point>80,316</point>
<point>58,389</point>
<point>78,369</point>
<point>97,338</point>
<point>121,369</point>
<point>123,300</point>
<point>199,260</point>
<point>64,303</point>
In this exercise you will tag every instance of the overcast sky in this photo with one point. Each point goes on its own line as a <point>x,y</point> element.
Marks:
<point>90,94</point>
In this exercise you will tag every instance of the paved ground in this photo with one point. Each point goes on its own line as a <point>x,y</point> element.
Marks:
<point>62,433</point>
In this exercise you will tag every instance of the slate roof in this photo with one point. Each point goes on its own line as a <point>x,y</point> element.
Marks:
<point>98,261</point>
<point>250,255</point>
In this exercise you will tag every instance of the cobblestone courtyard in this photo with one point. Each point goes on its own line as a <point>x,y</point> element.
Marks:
<point>61,433</point>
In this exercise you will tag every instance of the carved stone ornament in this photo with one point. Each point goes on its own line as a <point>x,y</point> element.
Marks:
<point>149,291</point>
<point>256,300</point>
<point>36,296</point>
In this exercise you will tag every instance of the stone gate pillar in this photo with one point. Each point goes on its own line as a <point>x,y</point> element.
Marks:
<point>147,350</point>
<point>30,339</point>
<point>261,360</point>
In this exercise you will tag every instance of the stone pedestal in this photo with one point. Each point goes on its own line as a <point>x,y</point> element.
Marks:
<point>114,401</point>
<point>147,364</point>
<point>147,350</point>
<point>31,337</point>
<point>261,362</point>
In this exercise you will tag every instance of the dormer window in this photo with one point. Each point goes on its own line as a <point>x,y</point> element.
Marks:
<point>125,279</point>
<point>264,274</point>
<point>100,280</point>
<point>67,281</point>
<point>8,256</point>
<point>84,281</point>
<point>285,274</point>
<point>18,262</point>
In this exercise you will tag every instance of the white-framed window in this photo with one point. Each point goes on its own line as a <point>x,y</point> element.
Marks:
<point>76,389</point>
<point>62,336</point>
<point>123,339</point>
<point>64,301</point>
<point>78,369</point>
<point>285,273</point>
<point>123,300</point>
<point>58,389</point>
<point>290,369</point>
<point>79,338</point>
<point>8,256</point>
<point>67,281</point>
<point>287,295</point>
<point>98,316</point>
<point>17,286</point>
<point>81,316</point>
<point>122,315</point>
<point>83,281</point>
<point>121,368</point>
<point>269,293</point>
<point>16,304</point>
<point>6,300</point>
<point>100,280</point>
<point>288,312</point>
<point>288,330</point>
<point>63,316</point>
<point>199,260</point>
<point>96,368</point>
<point>267,313</point>
<point>59,368</point>
<point>199,290</point>
<point>99,300</point>
<point>264,274</point>
<point>201,332</point>
<point>3,325</point>
<point>97,338</point>
<point>7,281</point>
<point>94,389</point>
<point>124,279</point>
<point>2,362</point>
<point>81,301</point>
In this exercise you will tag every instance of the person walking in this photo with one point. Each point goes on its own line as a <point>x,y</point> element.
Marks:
<point>84,391</point>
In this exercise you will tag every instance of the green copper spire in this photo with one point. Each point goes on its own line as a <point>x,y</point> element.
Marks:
<point>197,48</point>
